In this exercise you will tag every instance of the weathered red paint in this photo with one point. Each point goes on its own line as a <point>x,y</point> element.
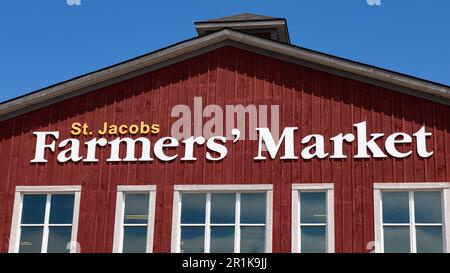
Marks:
<point>314,101</point>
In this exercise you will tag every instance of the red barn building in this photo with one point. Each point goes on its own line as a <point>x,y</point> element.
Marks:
<point>335,156</point>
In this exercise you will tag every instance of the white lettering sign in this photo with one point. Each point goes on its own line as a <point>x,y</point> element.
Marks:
<point>368,145</point>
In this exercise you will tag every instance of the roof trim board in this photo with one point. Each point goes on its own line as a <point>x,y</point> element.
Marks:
<point>199,45</point>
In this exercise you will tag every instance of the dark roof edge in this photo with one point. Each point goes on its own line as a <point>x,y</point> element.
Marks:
<point>196,43</point>
<point>97,70</point>
<point>239,21</point>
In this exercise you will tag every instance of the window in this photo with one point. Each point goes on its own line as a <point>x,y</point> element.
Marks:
<point>222,219</point>
<point>45,219</point>
<point>411,217</point>
<point>312,218</point>
<point>135,218</point>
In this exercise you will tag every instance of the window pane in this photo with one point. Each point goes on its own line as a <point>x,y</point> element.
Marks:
<point>33,209</point>
<point>58,239</point>
<point>134,239</point>
<point>395,207</point>
<point>136,208</point>
<point>30,240</point>
<point>253,208</point>
<point>396,240</point>
<point>428,208</point>
<point>222,239</point>
<point>253,239</point>
<point>313,207</point>
<point>429,239</point>
<point>313,239</point>
<point>192,239</point>
<point>193,208</point>
<point>61,210</point>
<point>223,208</point>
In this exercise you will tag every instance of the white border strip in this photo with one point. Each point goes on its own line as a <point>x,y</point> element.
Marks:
<point>312,186</point>
<point>139,188</point>
<point>70,188</point>
<point>176,219</point>
<point>410,186</point>
<point>224,187</point>
<point>377,214</point>
<point>446,215</point>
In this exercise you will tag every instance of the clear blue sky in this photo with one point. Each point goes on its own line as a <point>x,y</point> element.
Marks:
<point>43,42</point>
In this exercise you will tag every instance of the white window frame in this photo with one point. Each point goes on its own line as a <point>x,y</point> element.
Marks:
<point>120,210</point>
<point>225,188</point>
<point>410,187</point>
<point>328,188</point>
<point>14,242</point>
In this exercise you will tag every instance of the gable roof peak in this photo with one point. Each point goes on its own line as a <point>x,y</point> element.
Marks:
<point>243,17</point>
<point>259,25</point>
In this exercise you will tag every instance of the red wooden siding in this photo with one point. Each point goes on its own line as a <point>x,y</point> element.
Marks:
<point>314,101</point>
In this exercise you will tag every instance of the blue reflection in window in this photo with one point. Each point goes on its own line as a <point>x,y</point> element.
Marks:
<point>136,208</point>
<point>192,239</point>
<point>223,208</point>
<point>313,207</point>
<point>193,208</point>
<point>395,207</point>
<point>30,239</point>
<point>253,208</point>
<point>58,239</point>
<point>429,239</point>
<point>313,239</point>
<point>222,239</point>
<point>396,240</point>
<point>61,210</point>
<point>33,209</point>
<point>252,239</point>
<point>428,207</point>
<point>134,239</point>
